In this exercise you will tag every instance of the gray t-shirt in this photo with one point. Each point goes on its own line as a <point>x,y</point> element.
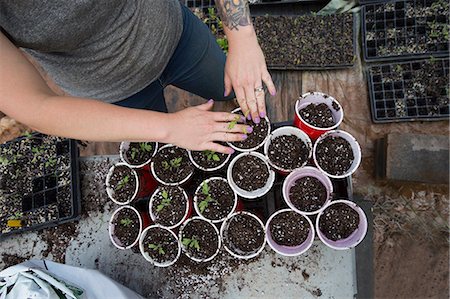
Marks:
<point>101,49</point>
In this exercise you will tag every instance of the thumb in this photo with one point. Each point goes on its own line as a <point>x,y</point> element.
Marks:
<point>228,86</point>
<point>206,106</point>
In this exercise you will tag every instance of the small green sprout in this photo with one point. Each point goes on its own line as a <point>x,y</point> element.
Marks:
<point>4,161</point>
<point>16,216</point>
<point>202,205</point>
<point>233,123</point>
<point>51,162</point>
<point>145,146</point>
<point>211,155</point>
<point>174,163</point>
<point>126,222</point>
<point>398,68</point>
<point>192,243</point>
<point>134,152</point>
<point>165,202</point>
<point>157,247</point>
<point>28,134</point>
<point>122,183</point>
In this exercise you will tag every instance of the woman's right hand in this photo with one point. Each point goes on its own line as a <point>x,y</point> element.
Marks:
<point>198,128</point>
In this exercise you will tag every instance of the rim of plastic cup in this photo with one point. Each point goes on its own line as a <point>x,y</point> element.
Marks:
<point>197,210</point>
<point>222,230</point>
<point>309,243</point>
<point>124,145</point>
<point>363,220</point>
<point>253,148</point>
<point>152,168</point>
<point>208,169</point>
<point>353,143</point>
<point>288,130</point>
<point>111,228</point>
<point>180,233</point>
<point>298,107</point>
<point>316,173</point>
<point>110,191</point>
<point>152,199</point>
<point>256,193</point>
<point>147,256</point>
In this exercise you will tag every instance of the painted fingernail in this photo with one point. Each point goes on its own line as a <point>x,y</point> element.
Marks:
<point>225,94</point>
<point>256,120</point>
<point>231,151</point>
<point>262,114</point>
<point>242,118</point>
<point>243,136</point>
<point>210,101</point>
<point>249,117</point>
<point>273,93</point>
<point>249,129</point>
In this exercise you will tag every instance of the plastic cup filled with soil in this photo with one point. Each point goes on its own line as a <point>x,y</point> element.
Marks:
<point>243,235</point>
<point>215,200</point>
<point>250,175</point>
<point>169,206</point>
<point>289,233</point>
<point>208,160</point>
<point>337,154</point>
<point>159,245</point>
<point>137,154</point>
<point>171,165</point>
<point>125,227</point>
<point>256,138</point>
<point>341,225</point>
<point>307,190</point>
<point>122,184</point>
<point>288,148</point>
<point>199,239</point>
<point>317,113</point>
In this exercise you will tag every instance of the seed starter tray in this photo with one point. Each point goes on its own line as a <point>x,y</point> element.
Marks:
<point>405,29</point>
<point>394,96</point>
<point>51,195</point>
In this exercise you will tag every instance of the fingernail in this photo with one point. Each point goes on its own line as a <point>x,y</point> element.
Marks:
<point>210,101</point>
<point>249,129</point>
<point>273,93</point>
<point>225,94</point>
<point>243,136</point>
<point>242,118</point>
<point>262,114</point>
<point>249,116</point>
<point>231,151</point>
<point>256,120</point>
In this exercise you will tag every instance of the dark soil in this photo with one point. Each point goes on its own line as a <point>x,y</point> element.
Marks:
<point>288,152</point>
<point>244,234</point>
<point>308,194</point>
<point>258,135</point>
<point>289,229</point>
<point>334,155</point>
<point>126,233</point>
<point>319,115</point>
<point>164,245</point>
<point>208,159</point>
<point>338,221</point>
<point>136,155</point>
<point>206,236</point>
<point>222,200</point>
<point>250,173</point>
<point>173,213</point>
<point>311,41</point>
<point>123,188</point>
<point>172,173</point>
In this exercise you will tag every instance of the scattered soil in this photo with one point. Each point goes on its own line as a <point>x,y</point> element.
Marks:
<point>334,155</point>
<point>256,137</point>
<point>58,239</point>
<point>222,200</point>
<point>136,155</point>
<point>319,115</point>
<point>338,221</point>
<point>250,173</point>
<point>164,245</point>
<point>126,233</point>
<point>172,213</point>
<point>289,229</point>
<point>288,152</point>
<point>167,169</point>
<point>208,159</point>
<point>308,194</point>
<point>243,235</point>
<point>13,259</point>
<point>205,234</point>
<point>122,183</point>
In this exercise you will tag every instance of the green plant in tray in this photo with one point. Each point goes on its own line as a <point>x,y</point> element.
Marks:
<point>122,183</point>
<point>157,247</point>
<point>191,242</point>
<point>211,155</point>
<point>166,201</point>
<point>172,164</point>
<point>202,205</point>
<point>126,222</point>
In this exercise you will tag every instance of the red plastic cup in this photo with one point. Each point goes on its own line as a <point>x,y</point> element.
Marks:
<point>317,98</point>
<point>147,183</point>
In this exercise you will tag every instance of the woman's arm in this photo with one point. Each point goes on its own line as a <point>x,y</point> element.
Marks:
<point>245,69</point>
<point>25,96</point>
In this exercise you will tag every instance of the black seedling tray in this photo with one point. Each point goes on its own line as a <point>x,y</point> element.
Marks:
<point>50,194</point>
<point>405,30</point>
<point>394,96</point>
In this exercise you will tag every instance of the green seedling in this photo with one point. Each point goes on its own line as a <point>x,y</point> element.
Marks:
<point>192,243</point>
<point>126,222</point>
<point>233,123</point>
<point>51,162</point>
<point>204,203</point>
<point>165,202</point>
<point>157,248</point>
<point>16,216</point>
<point>134,152</point>
<point>212,19</point>
<point>4,161</point>
<point>211,155</point>
<point>145,147</point>
<point>174,163</point>
<point>27,134</point>
<point>398,69</point>
<point>122,183</point>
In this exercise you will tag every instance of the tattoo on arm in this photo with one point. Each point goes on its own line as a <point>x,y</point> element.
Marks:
<point>234,13</point>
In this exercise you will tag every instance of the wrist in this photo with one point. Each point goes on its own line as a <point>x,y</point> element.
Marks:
<point>244,34</point>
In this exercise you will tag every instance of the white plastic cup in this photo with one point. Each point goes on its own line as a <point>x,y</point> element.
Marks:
<point>299,173</point>
<point>116,242</point>
<point>224,227</point>
<point>288,130</point>
<point>124,146</point>
<point>355,238</point>
<point>290,250</point>
<point>208,169</point>
<point>110,191</point>
<point>152,163</point>
<point>147,256</point>
<point>152,215</point>
<point>256,147</point>
<point>256,193</point>
<point>180,237</point>
<point>355,148</point>
<point>197,210</point>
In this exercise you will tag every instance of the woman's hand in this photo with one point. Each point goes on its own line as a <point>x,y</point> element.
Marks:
<point>197,128</point>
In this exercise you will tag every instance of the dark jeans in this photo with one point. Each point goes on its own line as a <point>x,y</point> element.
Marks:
<point>197,66</point>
